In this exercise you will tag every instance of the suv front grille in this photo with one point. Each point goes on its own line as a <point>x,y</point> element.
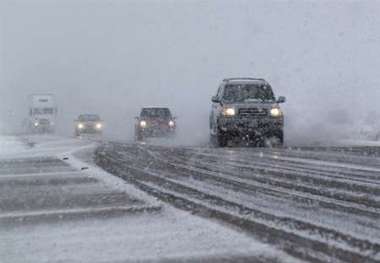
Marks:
<point>44,122</point>
<point>253,112</point>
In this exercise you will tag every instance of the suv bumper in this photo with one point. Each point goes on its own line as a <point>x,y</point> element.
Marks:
<point>88,131</point>
<point>157,132</point>
<point>251,126</point>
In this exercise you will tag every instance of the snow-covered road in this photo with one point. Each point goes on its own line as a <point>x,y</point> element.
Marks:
<point>321,205</point>
<point>58,207</point>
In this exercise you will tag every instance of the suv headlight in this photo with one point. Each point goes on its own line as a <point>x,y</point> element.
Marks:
<point>80,126</point>
<point>99,126</point>
<point>142,124</point>
<point>229,112</point>
<point>275,112</point>
<point>171,123</point>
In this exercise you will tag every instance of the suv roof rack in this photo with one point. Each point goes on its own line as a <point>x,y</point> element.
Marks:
<point>229,79</point>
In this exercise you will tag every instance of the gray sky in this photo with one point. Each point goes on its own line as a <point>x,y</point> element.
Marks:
<point>113,57</point>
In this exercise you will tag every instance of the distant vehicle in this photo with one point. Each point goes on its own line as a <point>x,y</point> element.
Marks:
<point>42,113</point>
<point>155,122</point>
<point>88,124</point>
<point>246,109</point>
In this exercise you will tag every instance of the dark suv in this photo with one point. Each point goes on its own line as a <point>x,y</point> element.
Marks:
<point>246,108</point>
<point>154,122</point>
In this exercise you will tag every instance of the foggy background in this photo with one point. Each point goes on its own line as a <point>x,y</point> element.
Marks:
<point>113,57</point>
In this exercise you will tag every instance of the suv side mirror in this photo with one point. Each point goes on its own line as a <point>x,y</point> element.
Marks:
<point>281,99</point>
<point>215,99</point>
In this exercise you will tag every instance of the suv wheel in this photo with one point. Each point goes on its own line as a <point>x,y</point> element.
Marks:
<point>221,139</point>
<point>276,140</point>
<point>139,137</point>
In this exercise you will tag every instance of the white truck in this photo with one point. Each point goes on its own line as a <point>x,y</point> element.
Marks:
<point>42,113</point>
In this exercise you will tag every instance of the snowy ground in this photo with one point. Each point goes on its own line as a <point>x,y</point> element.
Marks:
<point>319,204</point>
<point>55,207</point>
<point>10,144</point>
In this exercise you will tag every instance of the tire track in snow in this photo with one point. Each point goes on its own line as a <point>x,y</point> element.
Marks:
<point>136,164</point>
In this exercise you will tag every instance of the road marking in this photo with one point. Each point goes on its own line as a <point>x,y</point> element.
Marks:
<point>76,211</point>
<point>45,174</point>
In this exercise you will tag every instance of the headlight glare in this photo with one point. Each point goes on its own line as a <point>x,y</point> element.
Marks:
<point>80,126</point>
<point>229,111</point>
<point>171,123</point>
<point>99,126</point>
<point>142,124</point>
<point>275,112</point>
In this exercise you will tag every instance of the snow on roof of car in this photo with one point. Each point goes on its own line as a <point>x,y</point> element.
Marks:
<point>245,80</point>
<point>89,114</point>
<point>155,107</point>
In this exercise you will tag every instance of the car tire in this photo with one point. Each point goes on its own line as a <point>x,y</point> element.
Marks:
<point>139,137</point>
<point>213,142</point>
<point>280,137</point>
<point>221,139</point>
<point>275,140</point>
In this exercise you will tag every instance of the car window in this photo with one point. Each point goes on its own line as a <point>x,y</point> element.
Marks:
<point>89,118</point>
<point>247,92</point>
<point>156,112</point>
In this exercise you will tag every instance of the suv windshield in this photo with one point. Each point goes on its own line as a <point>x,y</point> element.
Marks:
<point>156,113</point>
<point>89,117</point>
<point>247,92</point>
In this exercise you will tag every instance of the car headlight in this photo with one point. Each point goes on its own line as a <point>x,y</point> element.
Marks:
<point>36,124</point>
<point>99,126</point>
<point>229,112</point>
<point>275,112</point>
<point>80,126</point>
<point>142,124</point>
<point>171,123</point>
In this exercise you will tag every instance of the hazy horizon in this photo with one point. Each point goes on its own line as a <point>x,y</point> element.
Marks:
<point>113,57</point>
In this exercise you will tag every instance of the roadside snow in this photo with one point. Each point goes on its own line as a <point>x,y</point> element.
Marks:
<point>168,234</point>
<point>172,235</point>
<point>359,143</point>
<point>10,144</point>
<point>96,172</point>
